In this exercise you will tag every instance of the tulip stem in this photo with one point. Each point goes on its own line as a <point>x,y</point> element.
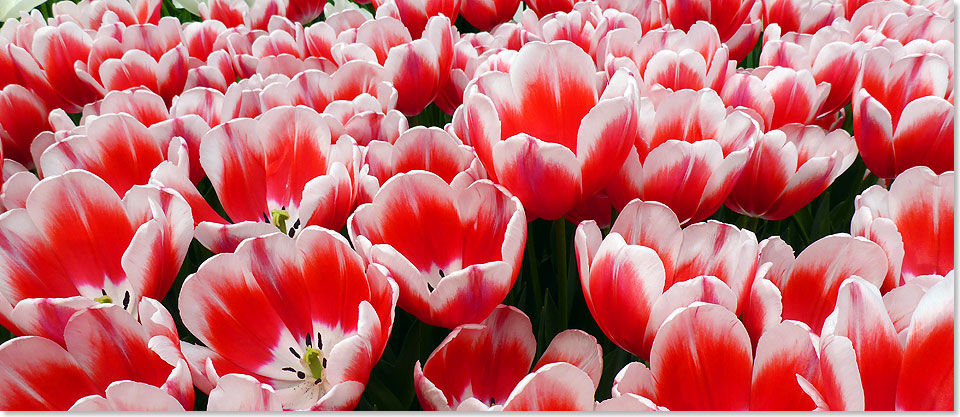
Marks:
<point>560,259</point>
<point>530,255</point>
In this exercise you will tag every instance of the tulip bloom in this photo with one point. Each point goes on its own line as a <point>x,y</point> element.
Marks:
<point>457,374</point>
<point>299,176</point>
<point>647,267</point>
<point>76,237</point>
<point>829,55</point>
<point>688,155</point>
<point>455,252</point>
<point>671,59</point>
<point>105,361</point>
<point>809,283</point>
<point>790,167</point>
<point>738,22</point>
<point>300,314</point>
<point>903,112</point>
<point>551,157</point>
<point>800,16</point>
<point>420,148</point>
<point>912,222</point>
<point>778,95</point>
<point>911,374</point>
<point>415,13</point>
<point>23,115</point>
<point>545,7</point>
<point>485,14</point>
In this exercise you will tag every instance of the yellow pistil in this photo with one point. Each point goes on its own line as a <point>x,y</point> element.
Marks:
<point>279,218</point>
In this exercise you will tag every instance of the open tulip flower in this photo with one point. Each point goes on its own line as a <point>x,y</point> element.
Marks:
<point>689,154</point>
<point>737,22</point>
<point>454,250</point>
<point>486,366</point>
<point>788,168</point>
<point>636,275</point>
<point>551,156</point>
<point>903,114</point>
<point>477,205</point>
<point>912,222</point>
<point>301,176</point>
<point>301,314</point>
<point>76,237</point>
<point>671,59</point>
<point>104,361</point>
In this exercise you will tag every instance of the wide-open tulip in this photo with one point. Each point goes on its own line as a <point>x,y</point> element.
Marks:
<point>301,314</point>
<point>105,360</point>
<point>738,22</point>
<point>427,149</point>
<point>115,147</point>
<point>647,267</point>
<point>486,366</point>
<point>550,156</point>
<point>455,252</point>
<point>778,95</point>
<point>670,59</point>
<point>76,237</point>
<point>902,112</point>
<point>790,167</point>
<point>485,14</point>
<point>912,222</point>
<point>829,54</point>
<point>689,154</point>
<point>300,175</point>
<point>809,283</point>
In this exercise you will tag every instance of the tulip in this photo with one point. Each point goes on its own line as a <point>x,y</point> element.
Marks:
<point>689,154</point>
<point>737,22</point>
<point>415,14</point>
<point>302,175</point>
<point>77,237</point>
<point>112,363</point>
<point>23,115</point>
<point>778,95</point>
<point>455,251</point>
<point>902,112</point>
<point>545,7</point>
<point>647,267</point>
<point>551,157</point>
<point>485,14</point>
<point>300,314</point>
<point>790,167</point>
<point>800,16</point>
<point>912,222</point>
<point>457,374</point>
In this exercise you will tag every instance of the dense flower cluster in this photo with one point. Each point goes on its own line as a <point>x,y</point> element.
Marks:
<point>238,208</point>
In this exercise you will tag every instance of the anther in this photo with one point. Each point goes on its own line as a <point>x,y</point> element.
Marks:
<point>324,362</point>
<point>266,218</point>
<point>103,291</point>
<point>288,369</point>
<point>296,224</point>
<point>318,381</point>
<point>126,299</point>
<point>291,232</point>
<point>294,352</point>
<point>309,340</point>
<point>319,341</point>
<point>301,375</point>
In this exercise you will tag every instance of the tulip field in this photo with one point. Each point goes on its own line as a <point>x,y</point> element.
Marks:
<point>477,205</point>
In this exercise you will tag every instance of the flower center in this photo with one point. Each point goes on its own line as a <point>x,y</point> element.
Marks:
<point>314,361</point>
<point>279,218</point>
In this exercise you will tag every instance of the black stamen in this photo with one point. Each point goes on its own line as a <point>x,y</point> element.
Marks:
<point>126,299</point>
<point>288,369</point>
<point>324,363</point>
<point>429,287</point>
<point>283,207</point>
<point>291,232</point>
<point>296,224</point>
<point>301,375</point>
<point>103,291</point>
<point>265,217</point>
<point>295,353</point>
<point>441,273</point>
<point>309,340</point>
<point>319,341</point>
<point>319,380</point>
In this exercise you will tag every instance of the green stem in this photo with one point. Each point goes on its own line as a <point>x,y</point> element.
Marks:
<point>560,258</point>
<point>530,258</point>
